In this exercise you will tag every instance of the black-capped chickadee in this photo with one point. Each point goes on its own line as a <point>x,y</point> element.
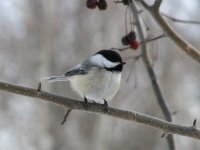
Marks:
<point>97,79</point>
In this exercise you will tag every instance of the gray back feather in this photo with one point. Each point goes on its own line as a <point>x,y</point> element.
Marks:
<point>81,69</point>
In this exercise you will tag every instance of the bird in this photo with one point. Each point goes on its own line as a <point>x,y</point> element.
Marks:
<point>97,79</point>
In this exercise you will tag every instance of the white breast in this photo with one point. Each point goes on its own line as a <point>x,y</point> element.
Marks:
<point>97,85</point>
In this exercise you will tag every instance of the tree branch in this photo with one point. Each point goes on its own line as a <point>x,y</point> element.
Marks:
<point>157,90</point>
<point>175,37</point>
<point>69,103</point>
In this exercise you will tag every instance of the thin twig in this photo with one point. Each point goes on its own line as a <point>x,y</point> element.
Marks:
<point>121,49</point>
<point>66,116</point>
<point>194,123</point>
<point>72,104</point>
<point>160,99</point>
<point>39,87</point>
<point>180,20</point>
<point>163,135</point>
<point>152,39</point>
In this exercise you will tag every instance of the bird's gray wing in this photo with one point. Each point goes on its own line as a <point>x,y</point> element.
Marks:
<point>81,69</point>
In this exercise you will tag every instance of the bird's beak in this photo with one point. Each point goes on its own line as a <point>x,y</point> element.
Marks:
<point>123,63</point>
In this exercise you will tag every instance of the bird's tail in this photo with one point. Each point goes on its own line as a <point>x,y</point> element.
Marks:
<point>56,78</point>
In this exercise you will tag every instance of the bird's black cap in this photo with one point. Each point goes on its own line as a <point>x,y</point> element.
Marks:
<point>110,55</point>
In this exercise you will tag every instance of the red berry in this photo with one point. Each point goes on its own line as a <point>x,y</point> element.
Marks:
<point>134,44</point>
<point>102,4</point>
<point>91,4</point>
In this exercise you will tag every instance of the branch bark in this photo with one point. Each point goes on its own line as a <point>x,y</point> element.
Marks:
<point>72,104</point>
<point>169,31</point>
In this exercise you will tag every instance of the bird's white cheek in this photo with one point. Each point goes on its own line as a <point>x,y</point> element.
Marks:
<point>100,61</point>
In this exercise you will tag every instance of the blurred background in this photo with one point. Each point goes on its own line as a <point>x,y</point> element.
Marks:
<point>39,38</point>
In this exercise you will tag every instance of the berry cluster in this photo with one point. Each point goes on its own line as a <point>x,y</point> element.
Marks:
<point>92,4</point>
<point>130,39</point>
